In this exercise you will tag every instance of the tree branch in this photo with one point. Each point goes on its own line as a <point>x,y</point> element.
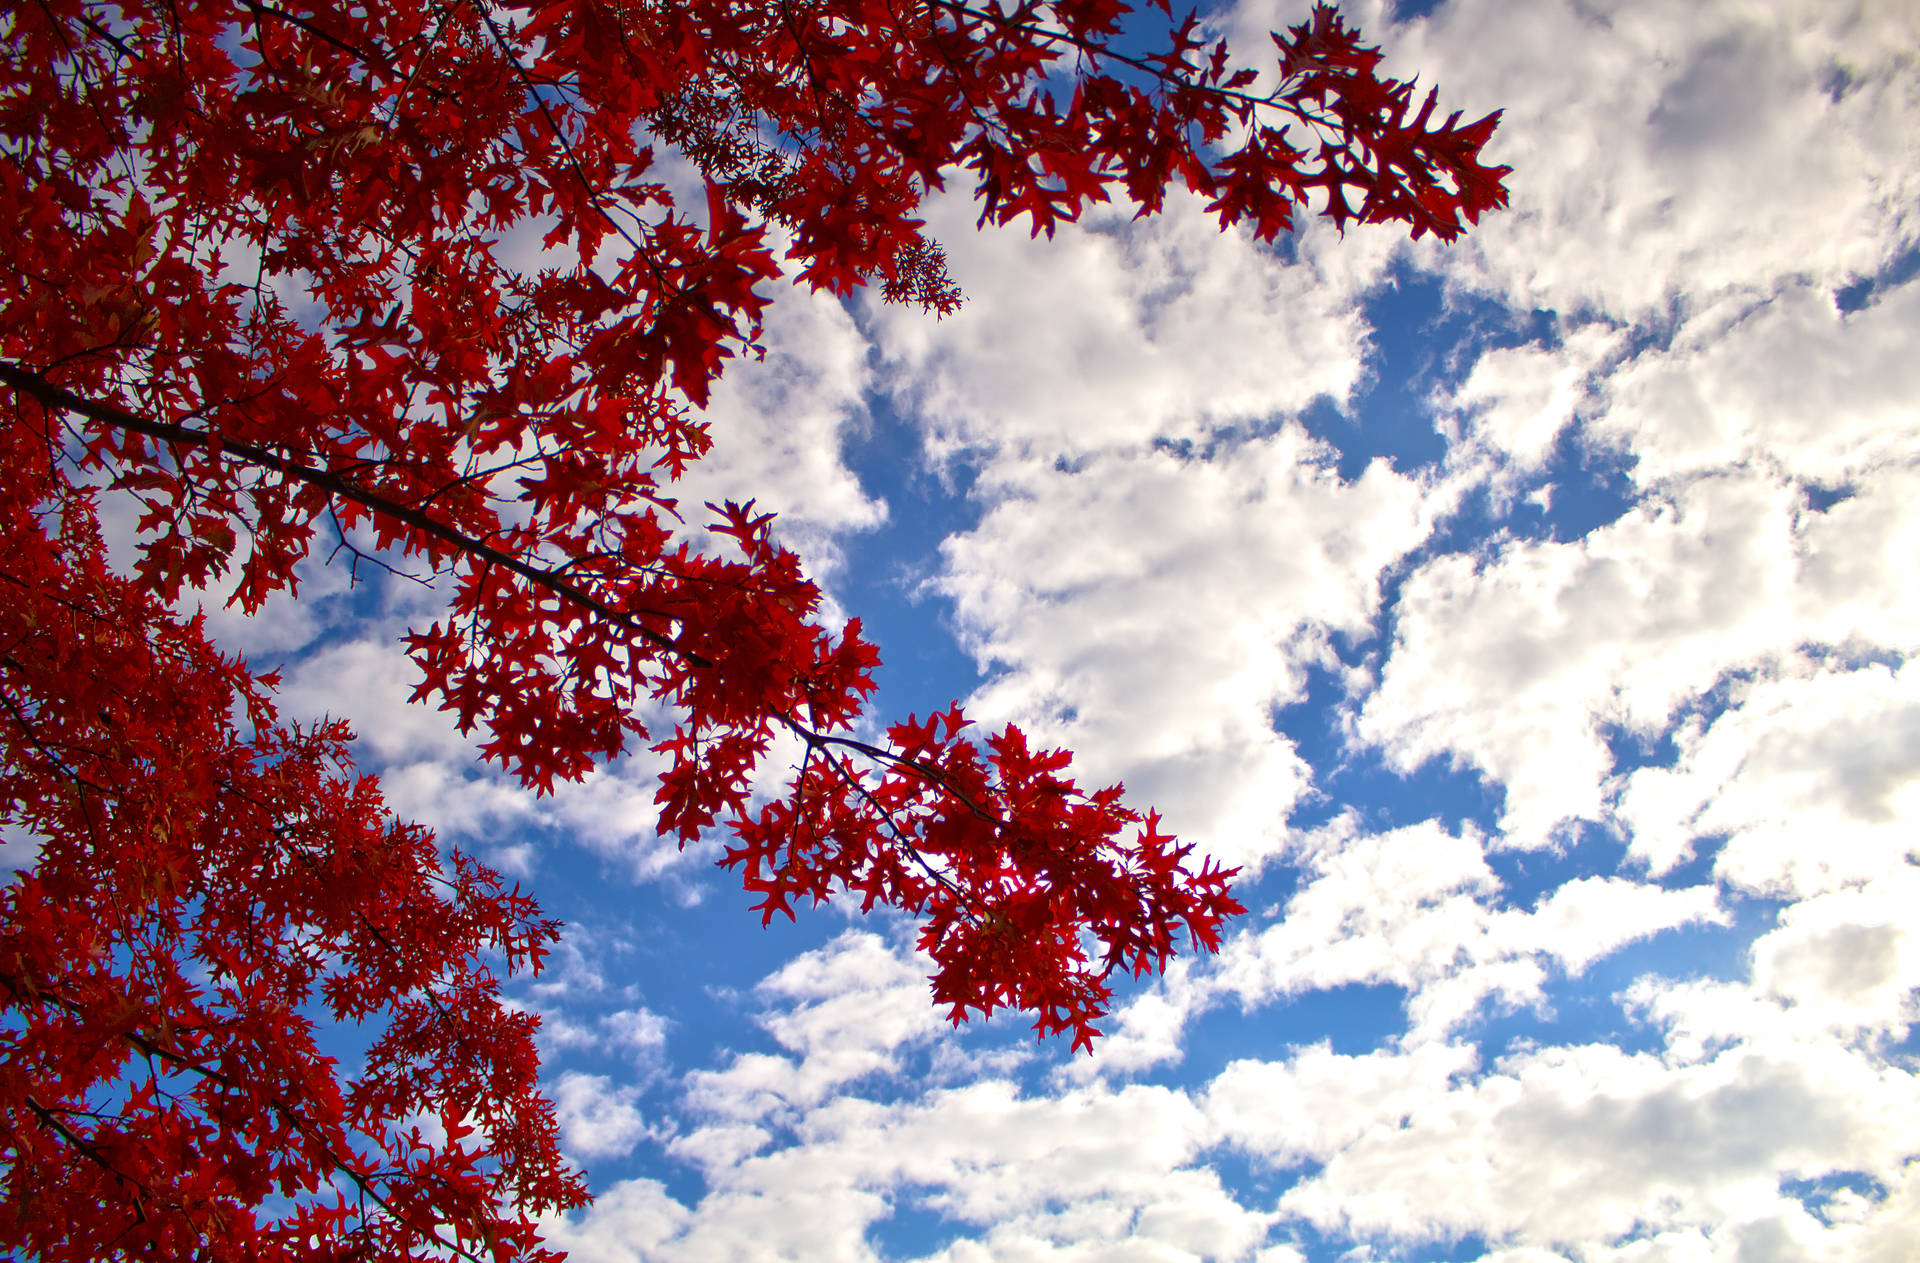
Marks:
<point>58,397</point>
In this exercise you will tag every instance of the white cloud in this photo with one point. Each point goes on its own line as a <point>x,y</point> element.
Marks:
<point>1147,608</point>
<point>1417,908</point>
<point>612,813</point>
<point>1317,1102</point>
<point>1665,151</point>
<point>1843,965</point>
<point>1589,1150</point>
<point>1152,612</point>
<point>1092,1174</point>
<point>1716,170</point>
<point>1591,917</point>
<point>367,681</point>
<point>574,966</point>
<point>720,1146</point>
<point>778,424</point>
<point>1147,1030</point>
<point>1790,384</point>
<point>286,623</point>
<point>1560,1152</point>
<point>1517,663</point>
<point>458,803</point>
<point>995,1154</point>
<point>629,1222</point>
<point>1589,1144</point>
<point>1813,778</point>
<point>639,1032</point>
<point>597,1118</point>
<point>854,991</point>
<point>1849,959</point>
<point>1394,907</point>
<point>1517,401</point>
<point>1854,588</point>
<point>1112,334</point>
<point>844,1011</point>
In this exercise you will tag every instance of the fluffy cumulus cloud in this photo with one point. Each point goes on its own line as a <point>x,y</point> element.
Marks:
<point>1519,662</point>
<point>1576,1145</point>
<point>597,1117</point>
<point>1091,1173</point>
<point>1419,909</point>
<point>1153,609</point>
<point>1756,161</point>
<point>1753,1129</point>
<point>778,423</point>
<point>1111,335</point>
<point>1677,153</point>
<point>1792,385</point>
<point>1812,779</point>
<point>848,1010</point>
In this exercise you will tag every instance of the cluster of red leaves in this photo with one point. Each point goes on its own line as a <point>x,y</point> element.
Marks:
<point>274,276</point>
<point>208,882</point>
<point>1015,868</point>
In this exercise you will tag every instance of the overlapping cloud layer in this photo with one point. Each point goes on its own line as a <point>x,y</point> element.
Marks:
<point>1576,769</point>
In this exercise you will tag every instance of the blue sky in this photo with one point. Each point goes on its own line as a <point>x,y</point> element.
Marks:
<point>1531,618</point>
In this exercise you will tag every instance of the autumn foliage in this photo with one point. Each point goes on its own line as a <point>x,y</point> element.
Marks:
<point>268,283</point>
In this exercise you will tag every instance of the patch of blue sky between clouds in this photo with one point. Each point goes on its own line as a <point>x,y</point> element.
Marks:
<point>891,569</point>
<point>1857,294</point>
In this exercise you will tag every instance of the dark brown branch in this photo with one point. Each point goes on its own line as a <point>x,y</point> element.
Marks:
<point>58,397</point>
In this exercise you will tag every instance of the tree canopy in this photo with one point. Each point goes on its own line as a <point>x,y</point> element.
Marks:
<point>262,285</point>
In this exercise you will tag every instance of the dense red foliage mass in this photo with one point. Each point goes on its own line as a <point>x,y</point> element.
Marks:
<point>258,282</point>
